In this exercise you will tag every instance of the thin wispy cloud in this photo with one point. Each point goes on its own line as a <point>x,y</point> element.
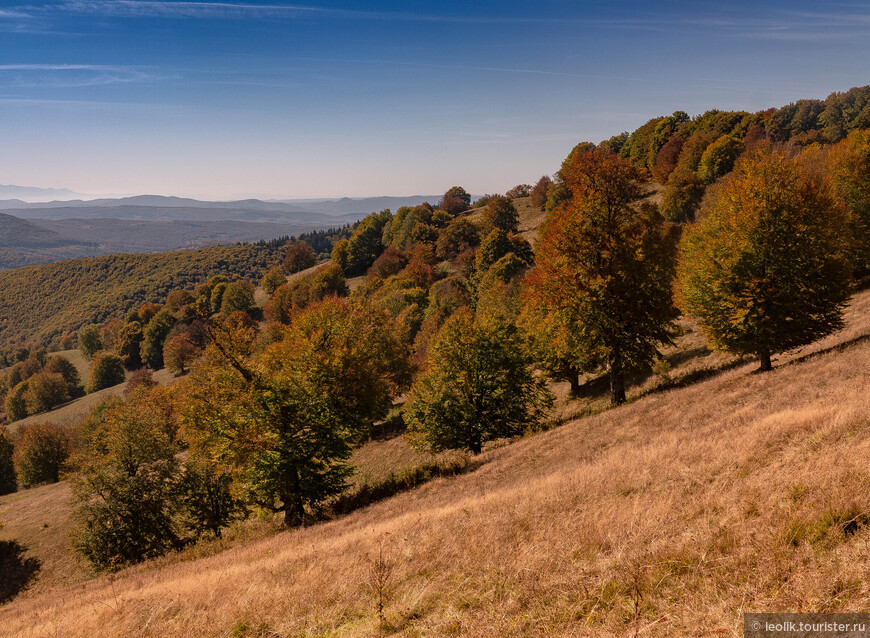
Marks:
<point>12,14</point>
<point>232,10</point>
<point>71,75</point>
<point>156,8</point>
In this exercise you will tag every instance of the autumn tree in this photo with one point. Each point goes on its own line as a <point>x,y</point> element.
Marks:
<point>520,190</point>
<point>456,200</point>
<point>62,366</point>
<point>719,158</point>
<point>142,378</point>
<point>605,265</point>
<point>460,234</point>
<point>479,385</point>
<point>154,336</point>
<point>312,395</point>
<point>206,500</point>
<point>273,280</point>
<point>551,340</point>
<point>178,353</point>
<point>667,159</point>
<point>129,346</point>
<point>8,480</point>
<point>299,257</point>
<point>682,196</point>
<point>217,295</point>
<point>238,295</point>
<point>107,370</point>
<point>41,454</point>
<point>124,490</point>
<point>501,213</point>
<point>45,390</point>
<point>326,281</point>
<point>177,299</point>
<point>364,246</point>
<point>538,194</point>
<point>109,333</point>
<point>391,262</point>
<point>498,244</point>
<point>851,179</point>
<point>765,269</point>
<point>89,341</point>
<point>147,312</point>
<point>16,402</point>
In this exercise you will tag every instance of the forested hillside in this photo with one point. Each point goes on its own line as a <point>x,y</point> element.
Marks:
<point>42,303</point>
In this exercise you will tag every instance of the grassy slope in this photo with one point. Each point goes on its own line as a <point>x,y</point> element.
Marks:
<point>673,514</point>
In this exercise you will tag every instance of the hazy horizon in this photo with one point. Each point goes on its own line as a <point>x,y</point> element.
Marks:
<point>229,100</point>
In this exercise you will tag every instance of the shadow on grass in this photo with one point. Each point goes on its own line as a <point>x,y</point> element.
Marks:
<point>840,347</point>
<point>16,570</point>
<point>369,493</point>
<point>693,377</point>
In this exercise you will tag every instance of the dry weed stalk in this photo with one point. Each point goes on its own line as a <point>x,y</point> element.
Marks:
<point>379,577</point>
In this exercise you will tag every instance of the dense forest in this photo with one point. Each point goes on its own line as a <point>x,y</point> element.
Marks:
<point>42,304</point>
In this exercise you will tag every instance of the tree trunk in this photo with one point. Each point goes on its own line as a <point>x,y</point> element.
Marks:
<point>617,382</point>
<point>475,445</point>
<point>574,380</point>
<point>294,509</point>
<point>765,364</point>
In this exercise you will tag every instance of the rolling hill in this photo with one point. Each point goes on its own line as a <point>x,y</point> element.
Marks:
<point>23,243</point>
<point>44,302</point>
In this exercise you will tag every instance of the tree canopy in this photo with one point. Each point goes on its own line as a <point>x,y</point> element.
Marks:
<point>605,264</point>
<point>311,395</point>
<point>479,385</point>
<point>765,269</point>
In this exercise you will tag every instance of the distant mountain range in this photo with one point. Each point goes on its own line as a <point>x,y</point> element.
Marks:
<point>141,206</point>
<point>10,191</point>
<point>44,232</point>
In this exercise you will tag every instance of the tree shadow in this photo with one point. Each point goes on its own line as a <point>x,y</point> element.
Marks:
<point>840,347</point>
<point>17,570</point>
<point>682,356</point>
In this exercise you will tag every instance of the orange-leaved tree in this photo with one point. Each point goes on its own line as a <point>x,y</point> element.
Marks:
<point>765,269</point>
<point>604,267</point>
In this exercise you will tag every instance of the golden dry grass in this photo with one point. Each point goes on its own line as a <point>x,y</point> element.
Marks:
<point>671,515</point>
<point>39,519</point>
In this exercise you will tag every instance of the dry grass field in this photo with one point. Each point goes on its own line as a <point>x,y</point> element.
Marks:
<point>671,515</point>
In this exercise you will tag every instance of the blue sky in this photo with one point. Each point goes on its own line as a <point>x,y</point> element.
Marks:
<point>271,99</point>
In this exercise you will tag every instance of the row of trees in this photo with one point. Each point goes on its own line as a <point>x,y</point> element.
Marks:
<point>37,384</point>
<point>766,269</point>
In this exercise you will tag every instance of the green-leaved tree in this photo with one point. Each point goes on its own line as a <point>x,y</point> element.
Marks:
<point>479,386</point>
<point>765,270</point>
